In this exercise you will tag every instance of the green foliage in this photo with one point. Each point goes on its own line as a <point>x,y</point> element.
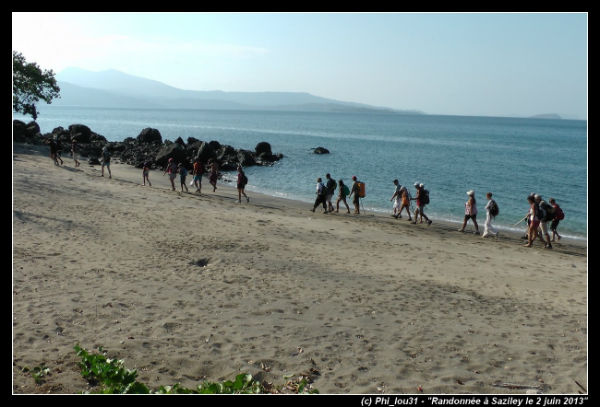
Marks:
<point>38,372</point>
<point>115,378</point>
<point>30,84</point>
<point>111,373</point>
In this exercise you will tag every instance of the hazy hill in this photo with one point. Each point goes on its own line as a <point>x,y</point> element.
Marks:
<point>112,88</point>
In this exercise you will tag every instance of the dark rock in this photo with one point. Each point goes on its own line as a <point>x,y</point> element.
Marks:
<point>205,152</point>
<point>81,132</point>
<point>246,158</point>
<point>175,151</point>
<point>263,148</point>
<point>149,135</point>
<point>192,140</point>
<point>180,141</point>
<point>321,150</point>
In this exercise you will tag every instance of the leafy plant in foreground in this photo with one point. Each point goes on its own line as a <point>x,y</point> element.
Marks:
<point>115,378</point>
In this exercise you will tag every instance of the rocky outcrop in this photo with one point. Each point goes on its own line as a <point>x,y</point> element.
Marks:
<point>320,150</point>
<point>147,147</point>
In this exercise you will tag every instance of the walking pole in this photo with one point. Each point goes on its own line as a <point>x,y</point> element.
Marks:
<point>521,220</point>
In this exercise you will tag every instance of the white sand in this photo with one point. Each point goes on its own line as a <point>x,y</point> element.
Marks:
<point>373,303</point>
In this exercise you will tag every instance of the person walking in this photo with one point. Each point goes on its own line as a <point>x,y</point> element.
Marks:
<point>214,174</point>
<point>558,216</point>
<point>182,175</point>
<point>546,215</point>
<point>330,185</point>
<point>491,210</point>
<point>172,171</point>
<point>356,192</point>
<point>321,196</point>
<point>533,219</point>
<point>106,161</point>
<point>397,199</point>
<point>422,199</point>
<point>197,169</point>
<point>74,148</point>
<point>470,212</point>
<point>342,194</point>
<point>146,173</point>
<point>405,202</point>
<point>242,180</point>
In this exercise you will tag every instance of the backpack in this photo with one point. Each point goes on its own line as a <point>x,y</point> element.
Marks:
<point>558,213</point>
<point>244,179</point>
<point>547,211</point>
<point>346,190</point>
<point>331,186</point>
<point>424,197</point>
<point>361,190</point>
<point>494,210</point>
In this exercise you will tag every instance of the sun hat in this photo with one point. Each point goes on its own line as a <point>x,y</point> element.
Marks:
<point>471,193</point>
<point>421,185</point>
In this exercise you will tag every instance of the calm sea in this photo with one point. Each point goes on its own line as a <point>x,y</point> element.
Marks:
<point>510,157</point>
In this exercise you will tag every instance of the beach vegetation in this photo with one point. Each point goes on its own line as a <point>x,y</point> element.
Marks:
<point>113,377</point>
<point>38,373</point>
<point>30,84</point>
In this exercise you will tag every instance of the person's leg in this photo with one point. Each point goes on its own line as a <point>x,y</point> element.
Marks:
<point>487,225</point>
<point>464,225</point>
<point>474,217</point>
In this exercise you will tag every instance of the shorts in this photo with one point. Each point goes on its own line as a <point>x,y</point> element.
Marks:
<point>474,217</point>
<point>328,197</point>
<point>534,224</point>
<point>544,226</point>
<point>106,164</point>
<point>172,176</point>
<point>198,178</point>
<point>554,224</point>
<point>182,179</point>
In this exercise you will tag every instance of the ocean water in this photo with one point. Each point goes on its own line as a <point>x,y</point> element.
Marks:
<point>511,157</point>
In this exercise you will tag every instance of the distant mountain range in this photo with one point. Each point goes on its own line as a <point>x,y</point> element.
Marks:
<point>111,88</point>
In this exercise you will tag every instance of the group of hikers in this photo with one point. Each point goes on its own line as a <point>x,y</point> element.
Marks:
<point>402,198</point>
<point>539,214</point>
<point>198,169</point>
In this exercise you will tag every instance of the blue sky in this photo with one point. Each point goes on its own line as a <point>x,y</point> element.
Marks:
<point>491,64</point>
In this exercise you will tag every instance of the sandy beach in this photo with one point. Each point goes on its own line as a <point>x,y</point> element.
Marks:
<point>187,287</point>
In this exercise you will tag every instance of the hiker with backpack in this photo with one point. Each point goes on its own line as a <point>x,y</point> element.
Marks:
<point>470,212</point>
<point>558,216</point>
<point>546,215</point>
<point>533,218</point>
<point>321,195</point>
<point>344,191</point>
<point>330,186</point>
<point>422,199</point>
<point>356,192</point>
<point>405,202</point>
<point>492,211</point>
<point>397,199</point>
<point>242,180</point>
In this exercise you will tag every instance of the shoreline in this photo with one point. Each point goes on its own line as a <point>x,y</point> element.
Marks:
<point>188,287</point>
<point>131,174</point>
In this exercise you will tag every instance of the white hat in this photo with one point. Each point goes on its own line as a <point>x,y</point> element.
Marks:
<point>421,185</point>
<point>470,193</point>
